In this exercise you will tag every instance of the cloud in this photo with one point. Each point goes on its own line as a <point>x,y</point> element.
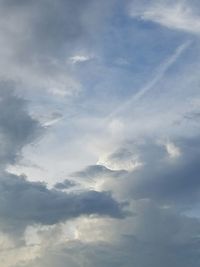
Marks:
<point>178,15</point>
<point>37,38</point>
<point>94,171</point>
<point>66,184</point>
<point>97,177</point>
<point>79,59</point>
<point>24,203</point>
<point>166,171</point>
<point>162,70</point>
<point>17,128</point>
<point>120,161</point>
<point>172,150</point>
<point>131,197</point>
<point>169,177</point>
<point>159,237</point>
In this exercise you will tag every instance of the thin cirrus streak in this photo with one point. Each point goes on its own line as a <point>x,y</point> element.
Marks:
<point>150,85</point>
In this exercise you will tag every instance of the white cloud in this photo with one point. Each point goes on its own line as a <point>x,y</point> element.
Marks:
<point>172,150</point>
<point>79,58</point>
<point>178,15</point>
<point>126,164</point>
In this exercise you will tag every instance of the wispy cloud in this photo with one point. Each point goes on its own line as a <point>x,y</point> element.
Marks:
<point>163,68</point>
<point>79,58</point>
<point>177,15</point>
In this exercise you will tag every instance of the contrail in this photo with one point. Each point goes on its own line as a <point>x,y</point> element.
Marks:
<point>159,75</point>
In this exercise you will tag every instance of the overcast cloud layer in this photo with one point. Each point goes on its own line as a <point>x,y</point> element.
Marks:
<point>99,133</point>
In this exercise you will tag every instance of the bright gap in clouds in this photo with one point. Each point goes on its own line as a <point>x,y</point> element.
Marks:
<point>99,133</point>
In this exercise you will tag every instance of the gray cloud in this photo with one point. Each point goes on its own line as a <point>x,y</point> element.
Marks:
<point>96,171</point>
<point>17,128</point>
<point>171,179</point>
<point>66,184</point>
<point>37,39</point>
<point>161,238</point>
<point>51,26</point>
<point>23,202</point>
<point>168,180</point>
<point>26,203</point>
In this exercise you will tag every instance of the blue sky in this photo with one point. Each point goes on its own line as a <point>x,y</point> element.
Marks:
<point>99,133</point>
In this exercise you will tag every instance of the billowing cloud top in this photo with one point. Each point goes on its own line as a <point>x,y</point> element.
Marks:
<point>99,133</point>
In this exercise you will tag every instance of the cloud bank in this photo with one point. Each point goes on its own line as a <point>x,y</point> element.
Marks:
<point>99,133</point>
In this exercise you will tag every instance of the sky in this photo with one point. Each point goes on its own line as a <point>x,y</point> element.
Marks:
<point>99,133</point>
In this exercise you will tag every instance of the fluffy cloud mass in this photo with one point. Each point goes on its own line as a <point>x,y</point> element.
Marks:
<point>99,133</point>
